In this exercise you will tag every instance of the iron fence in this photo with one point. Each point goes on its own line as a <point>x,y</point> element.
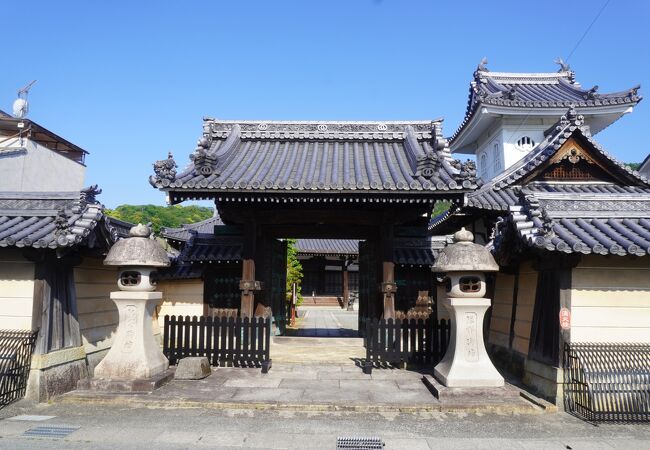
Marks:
<point>607,382</point>
<point>401,342</point>
<point>16,347</point>
<point>225,341</point>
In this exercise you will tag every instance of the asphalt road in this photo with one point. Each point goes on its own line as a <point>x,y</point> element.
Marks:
<point>106,426</point>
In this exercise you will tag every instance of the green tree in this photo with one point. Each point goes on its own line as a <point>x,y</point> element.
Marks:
<point>161,216</point>
<point>633,166</point>
<point>440,206</point>
<point>294,270</point>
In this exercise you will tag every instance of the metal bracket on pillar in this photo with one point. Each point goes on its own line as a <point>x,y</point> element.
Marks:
<point>388,289</point>
<point>248,288</point>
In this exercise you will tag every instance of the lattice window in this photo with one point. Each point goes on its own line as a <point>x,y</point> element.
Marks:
<point>483,164</point>
<point>496,158</point>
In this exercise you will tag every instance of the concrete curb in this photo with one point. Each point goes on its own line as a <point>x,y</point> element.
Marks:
<point>146,401</point>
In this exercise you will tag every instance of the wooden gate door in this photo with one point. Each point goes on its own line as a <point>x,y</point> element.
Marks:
<point>368,283</point>
<point>275,281</point>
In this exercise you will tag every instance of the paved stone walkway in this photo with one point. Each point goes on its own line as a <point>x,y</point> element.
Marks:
<point>307,387</point>
<point>327,322</point>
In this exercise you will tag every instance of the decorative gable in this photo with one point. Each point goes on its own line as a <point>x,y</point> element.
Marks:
<point>578,160</point>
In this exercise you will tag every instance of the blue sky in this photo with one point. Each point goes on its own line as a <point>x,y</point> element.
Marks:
<point>130,81</point>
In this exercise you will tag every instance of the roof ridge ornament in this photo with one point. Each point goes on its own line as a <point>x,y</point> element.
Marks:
<point>165,169</point>
<point>482,65</point>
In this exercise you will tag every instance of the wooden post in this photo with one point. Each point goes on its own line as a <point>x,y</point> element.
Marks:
<point>248,285</point>
<point>388,286</point>
<point>346,292</point>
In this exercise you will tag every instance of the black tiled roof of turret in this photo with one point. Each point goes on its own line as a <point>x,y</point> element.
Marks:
<point>537,90</point>
<point>54,219</point>
<point>325,157</point>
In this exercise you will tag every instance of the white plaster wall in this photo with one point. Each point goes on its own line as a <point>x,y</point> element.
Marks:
<point>16,290</point>
<point>98,316</point>
<point>37,169</point>
<point>610,300</point>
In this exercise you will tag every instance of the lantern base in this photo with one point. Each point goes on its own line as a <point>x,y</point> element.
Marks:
<point>134,354</point>
<point>466,362</point>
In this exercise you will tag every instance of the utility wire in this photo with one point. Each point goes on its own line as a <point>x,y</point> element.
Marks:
<point>575,47</point>
<point>587,30</point>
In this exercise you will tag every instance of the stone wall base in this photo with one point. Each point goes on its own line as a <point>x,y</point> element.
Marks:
<point>507,360</point>
<point>547,381</point>
<point>56,373</point>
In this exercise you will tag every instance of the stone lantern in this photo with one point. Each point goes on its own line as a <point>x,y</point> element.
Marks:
<point>135,355</point>
<point>466,363</point>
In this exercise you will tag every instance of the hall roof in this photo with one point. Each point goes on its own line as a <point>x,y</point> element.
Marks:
<point>55,219</point>
<point>288,158</point>
<point>600,206</point>
<point>515,92</point>
<point>184,232</point>
<point>337,247</point>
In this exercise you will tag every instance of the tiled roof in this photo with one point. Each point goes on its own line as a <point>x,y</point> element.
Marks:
<point>537,90</point>
<point>215,249</point>
<point>419,251</point>
<point>571,217</point>
<point>325,157</point>
<point>52,220</point>
<point>502,192</point>
<point>327,246</point>
<point>184,232</point>
<point>606,226</point>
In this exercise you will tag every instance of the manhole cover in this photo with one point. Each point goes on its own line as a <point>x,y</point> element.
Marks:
<point>359,443</point>
<point>55,432</point>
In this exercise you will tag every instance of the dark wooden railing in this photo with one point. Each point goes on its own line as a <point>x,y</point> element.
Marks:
<point>16,347</point>
<point>402,342</point>
<point>224,341</point>
<point>607,382</point>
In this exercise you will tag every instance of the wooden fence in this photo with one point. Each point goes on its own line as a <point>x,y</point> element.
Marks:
<point>401,342</point>
<point>16,347</point>
<point>225,341</point>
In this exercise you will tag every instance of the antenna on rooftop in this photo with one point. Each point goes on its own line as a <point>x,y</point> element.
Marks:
<point>21,106</point>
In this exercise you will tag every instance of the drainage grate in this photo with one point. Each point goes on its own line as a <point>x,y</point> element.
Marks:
<point>56,432</point>
<point>359,443</point>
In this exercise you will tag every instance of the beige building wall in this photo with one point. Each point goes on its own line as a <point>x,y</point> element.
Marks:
<point>525,306</point>
<point>501,310</point>
<point>180,298</point>
<point>610,299</point>
<point>16,290</point>
<point>98,316</point>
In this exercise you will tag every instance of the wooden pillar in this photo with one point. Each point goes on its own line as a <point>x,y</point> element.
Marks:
<point>346,291</point>
<point>248,285</point>
<point>388,286</point>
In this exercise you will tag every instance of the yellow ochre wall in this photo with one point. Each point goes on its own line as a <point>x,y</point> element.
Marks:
<point>16,290</point>
<point>98,316</point>
<point>180,298</point>
<point>610,299</point>
<point>502,308</point>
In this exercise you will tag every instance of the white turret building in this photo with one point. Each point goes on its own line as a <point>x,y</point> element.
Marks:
<point>508,113</point>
